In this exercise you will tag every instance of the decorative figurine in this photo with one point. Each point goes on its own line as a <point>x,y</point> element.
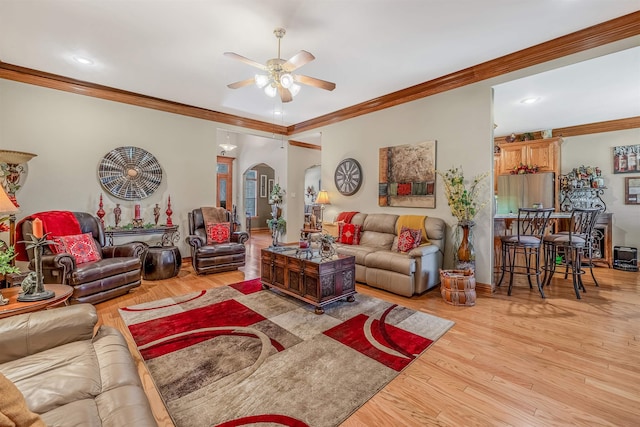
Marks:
<point>156,214</point>
<point>117,212</point>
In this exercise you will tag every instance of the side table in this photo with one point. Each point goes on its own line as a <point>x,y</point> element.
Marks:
<point>62,294</point>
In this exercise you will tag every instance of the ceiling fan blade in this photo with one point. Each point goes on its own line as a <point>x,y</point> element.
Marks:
<point>285,94</point>
<point>245,60</point>
<point>298,60</point>
<point>312,81</point>
<point>241,83</point>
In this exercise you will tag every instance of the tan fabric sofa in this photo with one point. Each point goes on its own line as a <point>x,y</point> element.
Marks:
<point>69,375</point>
<point>380,265</point>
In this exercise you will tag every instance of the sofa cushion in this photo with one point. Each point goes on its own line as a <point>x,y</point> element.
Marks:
<point>13,407</point>
<point>360,252</point>
<point>408,239</point>
<point>57,376</point>
<point>392,261</point>
<point>382,223</point>
<point>82,247</point>
<point>106,267</point>
<point>349,234</point>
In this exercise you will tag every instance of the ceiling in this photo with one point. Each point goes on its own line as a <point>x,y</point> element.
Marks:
<point>173,49</point>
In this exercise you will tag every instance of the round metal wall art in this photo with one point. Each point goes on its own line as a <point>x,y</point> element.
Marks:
<point>130,173</point>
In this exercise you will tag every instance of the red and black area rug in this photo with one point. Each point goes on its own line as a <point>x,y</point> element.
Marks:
<point>240,355</point>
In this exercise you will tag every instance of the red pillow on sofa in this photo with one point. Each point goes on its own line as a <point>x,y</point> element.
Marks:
<point>409,239</point>
<point>218,233</point>
<point>349,234</point>
<point>80,246</point>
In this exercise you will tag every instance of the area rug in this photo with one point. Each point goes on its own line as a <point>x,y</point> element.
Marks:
<point>240,355</point>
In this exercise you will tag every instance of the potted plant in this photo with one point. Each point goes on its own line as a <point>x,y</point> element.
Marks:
<point>464,205</point>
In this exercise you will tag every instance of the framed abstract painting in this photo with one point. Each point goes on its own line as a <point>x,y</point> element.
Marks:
<point>407,175</point>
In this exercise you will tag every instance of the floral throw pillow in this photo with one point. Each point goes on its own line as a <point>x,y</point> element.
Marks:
<point>349,234</point>
<point>80,246</point>
<point>408,239</point>
<point>218,233</point>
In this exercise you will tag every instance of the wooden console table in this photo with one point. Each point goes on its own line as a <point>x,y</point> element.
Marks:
<point>310,279</point>
<point>170,235</point>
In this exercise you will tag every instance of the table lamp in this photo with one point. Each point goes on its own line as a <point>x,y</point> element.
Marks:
<point>13,171</point>
<point>322,199</point>
<point>7,207</point>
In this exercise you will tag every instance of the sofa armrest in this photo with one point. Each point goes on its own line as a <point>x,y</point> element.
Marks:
<point>195,241</point>
<point>423,250</point>
<point>31,333</point>
<point>239,236</point>
<point>133,249</point>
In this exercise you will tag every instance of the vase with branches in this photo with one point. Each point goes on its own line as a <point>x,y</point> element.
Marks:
<point>465,203</point>
<point>277,224</point>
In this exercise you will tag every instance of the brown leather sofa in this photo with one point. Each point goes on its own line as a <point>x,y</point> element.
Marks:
<point>217,257</point>
<point>119,270</point>
<point>380,265</point>
<point>70,376</point>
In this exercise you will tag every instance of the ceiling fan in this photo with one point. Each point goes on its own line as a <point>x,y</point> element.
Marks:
<point>279,78</point>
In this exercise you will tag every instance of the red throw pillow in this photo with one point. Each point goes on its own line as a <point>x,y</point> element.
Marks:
<point>218,233</point>
<point>349,234</point>
<point>80,246</point>
<point>408,239</point>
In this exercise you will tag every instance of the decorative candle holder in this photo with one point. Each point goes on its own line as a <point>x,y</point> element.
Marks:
<point>101,211</point>
<point>169,212</point>
<point>33,285</point>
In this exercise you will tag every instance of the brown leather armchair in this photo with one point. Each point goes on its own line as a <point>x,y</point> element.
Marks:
<point>217,257</point>
<point>119,270</point>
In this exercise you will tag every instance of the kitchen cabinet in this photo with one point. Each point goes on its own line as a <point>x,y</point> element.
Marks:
<point>543,153</point>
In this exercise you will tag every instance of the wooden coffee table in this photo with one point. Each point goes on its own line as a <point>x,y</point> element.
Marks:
<point>62,294</point>
<point>306,276</point>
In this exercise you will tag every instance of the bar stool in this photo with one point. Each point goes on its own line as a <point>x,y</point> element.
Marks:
<point>527,242</point>
<point>572,245</point>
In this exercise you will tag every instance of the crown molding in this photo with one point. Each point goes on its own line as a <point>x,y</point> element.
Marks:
<point>79,87</point>
<point>304,145</point>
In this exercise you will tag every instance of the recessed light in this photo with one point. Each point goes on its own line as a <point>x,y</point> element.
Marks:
<point>82,60</point>
<point>530,100</point>
<point>277,113</point>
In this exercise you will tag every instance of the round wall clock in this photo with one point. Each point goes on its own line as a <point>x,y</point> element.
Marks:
<point>348,176</point>
<point>130,173</point>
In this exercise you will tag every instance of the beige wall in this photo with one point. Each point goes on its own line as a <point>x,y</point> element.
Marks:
<point>597,150</point>
<point>70,133</point>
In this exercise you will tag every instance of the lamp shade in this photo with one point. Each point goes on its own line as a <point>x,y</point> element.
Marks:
<point>323,198</point>
<point>6,205</point>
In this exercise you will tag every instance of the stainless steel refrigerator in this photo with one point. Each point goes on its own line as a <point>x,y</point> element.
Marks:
<point>523,191</point>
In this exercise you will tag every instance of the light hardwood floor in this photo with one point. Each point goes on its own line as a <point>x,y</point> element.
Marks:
<point>519,360</point>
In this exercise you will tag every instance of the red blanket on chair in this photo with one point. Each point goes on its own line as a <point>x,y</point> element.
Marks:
<point>55,223</point>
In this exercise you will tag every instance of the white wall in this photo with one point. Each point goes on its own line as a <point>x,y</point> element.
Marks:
<point>596,150</point>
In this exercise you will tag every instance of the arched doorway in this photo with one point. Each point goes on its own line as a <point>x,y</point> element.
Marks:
<point>257,184</point>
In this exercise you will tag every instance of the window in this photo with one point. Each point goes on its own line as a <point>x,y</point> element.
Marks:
<point>250,192</point>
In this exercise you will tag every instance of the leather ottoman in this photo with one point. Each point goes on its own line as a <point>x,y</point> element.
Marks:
<point>161,262</point>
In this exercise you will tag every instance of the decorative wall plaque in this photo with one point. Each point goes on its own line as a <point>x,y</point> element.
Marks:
<point>130,173</point>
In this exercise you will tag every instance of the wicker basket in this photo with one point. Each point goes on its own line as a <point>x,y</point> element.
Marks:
<point>458,287</point>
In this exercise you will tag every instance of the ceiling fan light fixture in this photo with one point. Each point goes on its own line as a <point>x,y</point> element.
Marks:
<point>228,147</point>
<point>286,80</point>
<point>294,89</point>
<point>271,90</point>
<point>261,80</point>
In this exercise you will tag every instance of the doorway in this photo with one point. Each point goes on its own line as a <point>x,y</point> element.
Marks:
<point>224,182</point>
<point>258,182</point>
